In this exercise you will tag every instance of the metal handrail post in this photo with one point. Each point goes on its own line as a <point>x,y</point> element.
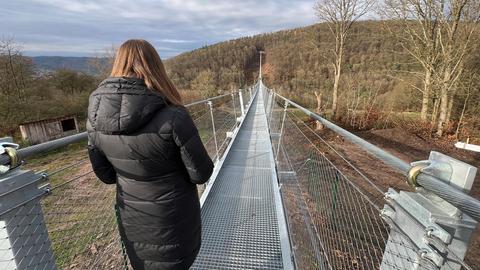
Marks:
<point>266,100</point>
<point>240,95</point>
<point>209,103</point>
<point>281,130</point>
<point>233,103</point>
<point>272,105</point>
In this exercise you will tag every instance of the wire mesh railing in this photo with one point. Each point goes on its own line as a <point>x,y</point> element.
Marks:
<point>333,209</point>
<point>71,222</point>
<point>80,218</point>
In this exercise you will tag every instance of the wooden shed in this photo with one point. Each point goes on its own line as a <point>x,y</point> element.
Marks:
<point>49,129</point>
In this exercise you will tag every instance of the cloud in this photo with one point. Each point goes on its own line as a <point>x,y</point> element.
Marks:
<point>72,5</point>
<point>80,27</point>
<point>176,41</point>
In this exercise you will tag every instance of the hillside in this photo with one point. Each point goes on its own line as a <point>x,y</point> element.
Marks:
<point>45,64</point>
<point>297,61</point>
<point>380,84</point>
<point>377,88</point>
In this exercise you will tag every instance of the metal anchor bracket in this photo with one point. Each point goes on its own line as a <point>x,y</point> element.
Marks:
<point>415,217</point>
<point>427,225</point>
<point>9,149</point>
<point>454,172</point>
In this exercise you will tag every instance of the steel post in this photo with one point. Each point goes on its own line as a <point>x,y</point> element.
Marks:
<point>24,238</point>
<point>213,128</point>
<point>281,130</point>
<point>233,103</point>
<point>240,96</point>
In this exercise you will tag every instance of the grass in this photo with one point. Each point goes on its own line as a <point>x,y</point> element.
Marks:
<point>55,159</point>
<point>58,159</point>
<point>79,215</point>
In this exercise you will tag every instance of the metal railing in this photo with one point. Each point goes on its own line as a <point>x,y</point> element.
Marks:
<point>64,218</point>
<point>334,210</point>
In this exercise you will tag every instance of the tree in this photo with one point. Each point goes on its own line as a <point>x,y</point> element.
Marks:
<point>437,34</point>
<point>420,38</point>
<point>15,69</point>
<point>340,16</point>
<point>459,21</point>
<point>101,65</point>
<point>27,94</point>
<point>72,83</point>
<point>205,84</point>
<point>15,76</point>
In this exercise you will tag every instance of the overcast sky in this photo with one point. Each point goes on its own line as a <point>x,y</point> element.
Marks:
<point>88,27</point>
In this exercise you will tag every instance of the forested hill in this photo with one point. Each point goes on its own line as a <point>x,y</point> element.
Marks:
<point>298,61</point>
<point>379,78</point>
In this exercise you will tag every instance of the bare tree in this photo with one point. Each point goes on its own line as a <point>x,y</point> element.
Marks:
<point>15,75</point>
<point>459,21</point>
<point>340,15</point>
<point>101,64</point>
<point>12,68</point>
<point>420,38</point>
<point>437,34</point>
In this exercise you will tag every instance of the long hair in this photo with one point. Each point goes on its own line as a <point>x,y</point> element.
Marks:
<point>138,58</point>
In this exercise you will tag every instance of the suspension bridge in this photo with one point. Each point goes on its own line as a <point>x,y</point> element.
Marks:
<point>281,197</point>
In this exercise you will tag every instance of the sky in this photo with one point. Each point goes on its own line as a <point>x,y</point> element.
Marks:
<point>89,27</point>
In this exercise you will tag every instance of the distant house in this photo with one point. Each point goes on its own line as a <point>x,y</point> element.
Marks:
<point>49,129</point>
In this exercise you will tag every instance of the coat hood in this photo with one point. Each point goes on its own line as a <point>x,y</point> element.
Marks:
<point>122,105</point>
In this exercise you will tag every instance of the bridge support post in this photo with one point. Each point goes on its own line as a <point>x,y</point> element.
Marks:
<point>425,228</point>
<point>281,130</point>
<point>270,109</point>
<point>213,129</point>
<point>24,239</point>
<point>267,96</point>
<point>233,104</point>
<point>240,96</point>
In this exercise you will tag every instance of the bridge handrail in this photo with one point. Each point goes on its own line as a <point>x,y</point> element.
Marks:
<point>61,142</point>
<point>464,202</point>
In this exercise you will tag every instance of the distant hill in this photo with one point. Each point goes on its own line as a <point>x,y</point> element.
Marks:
<point>297,62</point>
<point>296,59</point>
<point>44,64</point>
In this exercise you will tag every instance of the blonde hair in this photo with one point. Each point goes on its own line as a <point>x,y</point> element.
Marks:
<point>138,58</point>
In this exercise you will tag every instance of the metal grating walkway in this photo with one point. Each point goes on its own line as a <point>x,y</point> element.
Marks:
<point>242,216</point>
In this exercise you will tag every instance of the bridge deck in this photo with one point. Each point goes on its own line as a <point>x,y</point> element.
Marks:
<point>243,221</point>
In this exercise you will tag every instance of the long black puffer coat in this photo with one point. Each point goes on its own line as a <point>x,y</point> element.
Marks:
<point>153,152</point>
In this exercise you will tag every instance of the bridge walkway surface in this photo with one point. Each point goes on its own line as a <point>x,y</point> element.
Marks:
<point>243,221</point>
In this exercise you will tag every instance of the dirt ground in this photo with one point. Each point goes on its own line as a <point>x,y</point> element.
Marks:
<point>409,148</point>
<point>413,148</point>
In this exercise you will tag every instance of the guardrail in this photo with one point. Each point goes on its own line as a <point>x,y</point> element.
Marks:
<point>58,143</point>
<point>464,202</point>
<point>334,210</point>
<point>64,218</point>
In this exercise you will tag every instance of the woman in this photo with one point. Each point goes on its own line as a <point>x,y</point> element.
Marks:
<point>143,139</point>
